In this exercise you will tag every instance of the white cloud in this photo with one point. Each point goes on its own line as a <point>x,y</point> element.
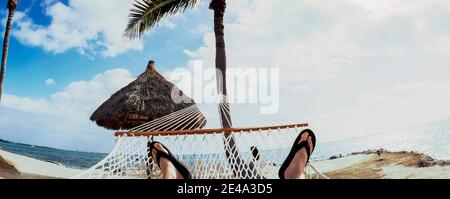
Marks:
<point>50,82</point>
<point>78,99</point>
<point>398,107</point>
<point>89,26</point>
<point>326,50</point>
<point>201,29</point>
<point>312,39</point>
<point>300,88</point>
<point>382,9</point>
<point>379,8</point>
<point>167,24</point>
<point>62,119</point>
<point>315,42</point>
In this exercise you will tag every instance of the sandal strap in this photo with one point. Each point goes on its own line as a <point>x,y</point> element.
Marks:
<point>301,145</point>
<point>160,154</point>
<point>179,166</point>
<point>296,148</point>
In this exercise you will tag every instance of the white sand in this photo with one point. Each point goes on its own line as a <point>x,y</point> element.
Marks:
<point>392,171</point>
<point>341,163</point>
<point>401,172</point>
<point>37,167</point>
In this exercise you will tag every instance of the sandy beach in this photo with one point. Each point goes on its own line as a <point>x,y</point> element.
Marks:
<point>363,165</point>
<point>387,165</point>
<point>29,168</point>
<point>7,170</point>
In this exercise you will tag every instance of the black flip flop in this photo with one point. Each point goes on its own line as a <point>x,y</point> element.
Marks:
<point>297,147</point>
<point>178,165</point>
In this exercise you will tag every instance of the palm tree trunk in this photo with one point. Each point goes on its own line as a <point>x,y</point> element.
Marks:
<point>231,151</point>
<point>11,12</point>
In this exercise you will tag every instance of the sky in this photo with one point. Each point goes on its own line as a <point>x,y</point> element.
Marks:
<point>348,67</point>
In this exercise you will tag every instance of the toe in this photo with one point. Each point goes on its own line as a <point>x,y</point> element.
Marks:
<point>304,137</point>
<point>157,147</point>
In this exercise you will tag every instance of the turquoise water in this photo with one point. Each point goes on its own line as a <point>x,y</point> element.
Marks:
<point>73,159</point>
<point>432,139</point>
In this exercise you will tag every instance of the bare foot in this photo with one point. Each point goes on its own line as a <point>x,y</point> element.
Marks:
<point>297,167</point>
<point>167,168</point>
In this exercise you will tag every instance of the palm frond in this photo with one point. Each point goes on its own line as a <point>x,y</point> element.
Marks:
<point>145,14</point>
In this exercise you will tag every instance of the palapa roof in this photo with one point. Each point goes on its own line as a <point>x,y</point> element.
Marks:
<point>147,98</point>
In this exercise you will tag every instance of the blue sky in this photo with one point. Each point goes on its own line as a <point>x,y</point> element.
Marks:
<point>347,66</point>
<point>37,65</point>
<point>30,65</point>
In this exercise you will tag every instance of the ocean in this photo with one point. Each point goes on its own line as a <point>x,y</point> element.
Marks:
<point>432,139</point>
<point>72,159</point>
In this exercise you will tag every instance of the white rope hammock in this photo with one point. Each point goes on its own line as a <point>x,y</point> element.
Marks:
<point>262,143</point>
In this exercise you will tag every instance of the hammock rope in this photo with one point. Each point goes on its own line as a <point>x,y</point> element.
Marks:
<point>262,142</point>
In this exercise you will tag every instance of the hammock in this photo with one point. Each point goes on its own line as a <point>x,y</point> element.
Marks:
<point>253,151</point>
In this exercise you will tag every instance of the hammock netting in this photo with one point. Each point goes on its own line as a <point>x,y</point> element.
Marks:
<point>255,151</point>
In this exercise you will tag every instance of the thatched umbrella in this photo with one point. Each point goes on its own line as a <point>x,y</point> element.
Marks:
<point>147,98</point>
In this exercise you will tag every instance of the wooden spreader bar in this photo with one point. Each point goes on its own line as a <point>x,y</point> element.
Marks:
<point>208,131</point>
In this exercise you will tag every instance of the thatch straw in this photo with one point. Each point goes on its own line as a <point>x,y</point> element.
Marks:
<point>147,98</point>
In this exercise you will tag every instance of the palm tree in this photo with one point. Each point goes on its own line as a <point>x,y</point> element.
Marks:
<point>147,13</point>
<point>12,5</point>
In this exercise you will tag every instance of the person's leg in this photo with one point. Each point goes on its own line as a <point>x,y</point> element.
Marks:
<point>167,168</point>
<point>297,167</point>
